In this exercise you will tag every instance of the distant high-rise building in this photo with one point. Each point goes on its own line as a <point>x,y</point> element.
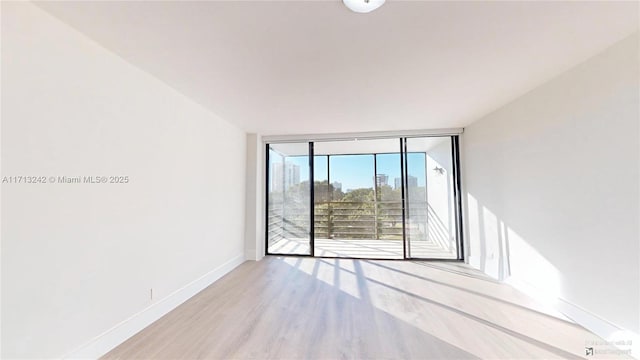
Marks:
<point>292,174</point>
<point>412,182</point>
<point>283,176</point>
<point>382,179</point>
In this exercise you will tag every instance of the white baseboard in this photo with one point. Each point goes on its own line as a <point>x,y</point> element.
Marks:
<point>611,333</point>
<point>115,336</point>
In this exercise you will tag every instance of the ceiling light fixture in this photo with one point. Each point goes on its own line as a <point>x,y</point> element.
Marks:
<point>363,6</point>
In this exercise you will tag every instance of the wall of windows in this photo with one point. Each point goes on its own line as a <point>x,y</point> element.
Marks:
<point>373,198</point>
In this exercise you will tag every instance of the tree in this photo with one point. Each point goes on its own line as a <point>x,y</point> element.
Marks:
<point>386,193</point>
<point>359,195</point>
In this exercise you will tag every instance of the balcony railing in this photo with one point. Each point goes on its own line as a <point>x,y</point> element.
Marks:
<point>347,220</point>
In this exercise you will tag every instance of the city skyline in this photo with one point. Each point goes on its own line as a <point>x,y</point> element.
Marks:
<point>284,175</point>
<point>412,182</point>
<point>352,171</point>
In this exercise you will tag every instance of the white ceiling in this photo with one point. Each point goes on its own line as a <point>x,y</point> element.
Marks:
<point>315,67</point>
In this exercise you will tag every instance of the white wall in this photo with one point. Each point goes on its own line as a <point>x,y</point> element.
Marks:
<point>440,196</point>
<point>78,259</point>
<point>552,188</point>
<point>254,206</point>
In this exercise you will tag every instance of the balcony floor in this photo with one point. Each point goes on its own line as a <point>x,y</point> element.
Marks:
<point>363,248</point>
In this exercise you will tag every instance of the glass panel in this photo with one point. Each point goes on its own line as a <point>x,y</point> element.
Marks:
<point>289,211</point>
<point>430,212</point>
<point>323,194</point>
<point>389,197</point>
<point>357,207</point>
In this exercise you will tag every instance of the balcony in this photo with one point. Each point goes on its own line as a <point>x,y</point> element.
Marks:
<point>371,229</point>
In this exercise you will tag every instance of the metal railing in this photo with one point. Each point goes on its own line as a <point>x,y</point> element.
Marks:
<point>346,220</point>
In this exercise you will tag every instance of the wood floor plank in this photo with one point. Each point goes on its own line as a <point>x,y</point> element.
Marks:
<point>306,308</point>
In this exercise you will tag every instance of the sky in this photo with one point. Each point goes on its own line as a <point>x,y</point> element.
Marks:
<point>357,171</point>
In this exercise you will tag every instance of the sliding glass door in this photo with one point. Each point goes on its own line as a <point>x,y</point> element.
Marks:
<point>373,198</point>
<point>430,201</point>
<point>358,213</point>
<point>289,199</point>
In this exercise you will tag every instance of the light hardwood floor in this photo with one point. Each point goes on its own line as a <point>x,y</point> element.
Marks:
<point>306,308</point>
